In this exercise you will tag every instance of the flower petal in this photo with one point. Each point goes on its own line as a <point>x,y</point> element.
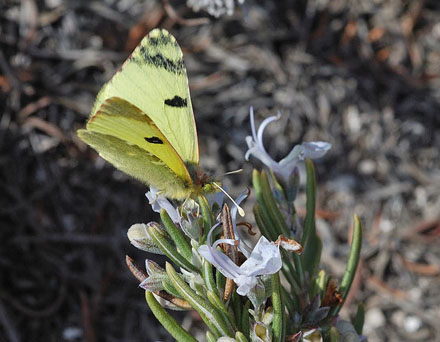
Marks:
<point>264,259</point>
<point>315,149</point>
<point>245,284</point>
<point>158,202</point>
<point>221,262</point>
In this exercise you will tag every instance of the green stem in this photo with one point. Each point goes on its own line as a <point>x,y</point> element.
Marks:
<point>206,310</point>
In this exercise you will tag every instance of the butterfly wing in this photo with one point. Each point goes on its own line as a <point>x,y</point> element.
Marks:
<point>154,79</point>
<point>126,137</point>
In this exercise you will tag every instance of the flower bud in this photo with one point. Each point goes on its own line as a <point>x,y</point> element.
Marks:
<point>140,238</point>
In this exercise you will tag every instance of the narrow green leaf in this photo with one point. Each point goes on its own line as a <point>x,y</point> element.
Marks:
<point>277,185</point>
<point>208,277</point>
<point>240,337</point>
<point>310,241</point>
<point>209,314</point>
<point>170,250</point>
<point>245,326</point>
<point>208,218</point>
<point>309,222</point>
<point>358,320</point>
<point>298,262</point>
<point>278,310</point>
<point>311,255</point>
<point>271,205</point>
<point>271,232</point>
<point>319,287</point>
<point>177,235</point>
<point>289,301</point>
<point>353,259</point>
<point>220,279</point>
<point>210,337</point>
<point>352,263</point>
<point>168,287</point>
<point>236,307</point>
<point>263,223</point>
<point>220,305</point>
<point>167,321</point>
<point>334,335</point>
<point>268,216</point>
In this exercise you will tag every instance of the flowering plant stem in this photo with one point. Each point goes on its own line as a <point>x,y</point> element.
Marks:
<point>270,203</point>
<point>263,223</point>
<point>270,216</point>
<point>208,312</point>
<point>235,288</point>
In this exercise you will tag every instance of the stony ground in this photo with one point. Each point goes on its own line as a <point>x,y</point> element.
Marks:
<point>363,75</point>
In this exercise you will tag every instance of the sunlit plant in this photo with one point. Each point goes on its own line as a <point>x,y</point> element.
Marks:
<point>143,123</point>
<point>273,291</point>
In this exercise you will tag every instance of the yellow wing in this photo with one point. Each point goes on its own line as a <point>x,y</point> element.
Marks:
<point>122,120</point>
<point>137,162</point>
<point>154,79</point>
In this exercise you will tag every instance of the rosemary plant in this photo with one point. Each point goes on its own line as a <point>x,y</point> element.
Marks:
<point>274,291</point>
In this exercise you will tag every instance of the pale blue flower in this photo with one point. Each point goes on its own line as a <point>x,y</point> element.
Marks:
<point>285,167</point>
<point>158,202</point>
<point>265,259</point>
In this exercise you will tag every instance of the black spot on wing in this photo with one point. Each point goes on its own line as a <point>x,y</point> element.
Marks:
<point>160,61</point>
<point>176,101</point>
<point>153,140</point>
<point>163,38</point>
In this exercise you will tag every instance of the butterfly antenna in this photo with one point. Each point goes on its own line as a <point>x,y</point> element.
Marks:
<point>233,172</point>
<point>240,209</point>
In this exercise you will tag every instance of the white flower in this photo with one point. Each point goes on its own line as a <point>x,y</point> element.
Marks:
<point>283,168</point>
<point>264,259</point>
<point>188,214</point>
<point>158,202</point>
<point>214,7</point>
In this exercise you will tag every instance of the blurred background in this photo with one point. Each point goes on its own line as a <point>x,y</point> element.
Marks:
<point>363,75</point>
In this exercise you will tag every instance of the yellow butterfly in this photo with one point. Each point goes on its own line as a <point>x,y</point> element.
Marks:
<point>143,122</point>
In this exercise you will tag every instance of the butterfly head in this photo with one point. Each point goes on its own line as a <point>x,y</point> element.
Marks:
<point>202,182</point>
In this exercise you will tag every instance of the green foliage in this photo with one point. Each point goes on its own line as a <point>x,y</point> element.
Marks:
<point>274,310</point>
